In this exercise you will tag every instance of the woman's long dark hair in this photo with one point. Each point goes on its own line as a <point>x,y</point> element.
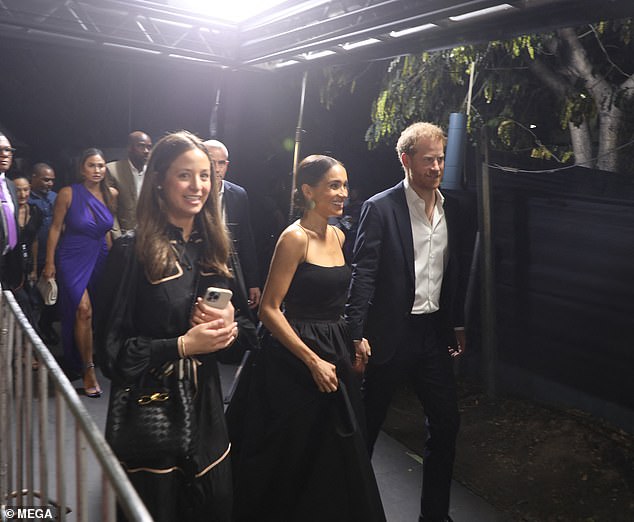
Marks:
<point>104,185</point>
<point>152,240</point>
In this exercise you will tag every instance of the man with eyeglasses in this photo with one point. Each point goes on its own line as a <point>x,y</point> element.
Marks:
<point>405,306</point>
<point>8,203</point>
<point>126,175</point>
<point>235,204</point>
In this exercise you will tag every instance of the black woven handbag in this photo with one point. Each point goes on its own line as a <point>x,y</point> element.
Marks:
<point>155,419</point>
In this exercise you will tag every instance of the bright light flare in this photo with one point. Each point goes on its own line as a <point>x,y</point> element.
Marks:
<point>481,12</point>
<point>233,11</point>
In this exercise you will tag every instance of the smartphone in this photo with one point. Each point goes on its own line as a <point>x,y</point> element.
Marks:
<point>218,297</point>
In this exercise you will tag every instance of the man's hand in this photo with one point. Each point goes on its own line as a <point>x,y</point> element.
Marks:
<point>254,297</point>
<point>362,352</point>
<point>459,349</point>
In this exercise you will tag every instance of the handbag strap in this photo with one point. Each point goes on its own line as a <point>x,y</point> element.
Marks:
<point>185,369</point>
<point>241,288</point>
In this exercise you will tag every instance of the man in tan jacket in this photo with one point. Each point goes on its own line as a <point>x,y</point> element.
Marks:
<point>126,176</point>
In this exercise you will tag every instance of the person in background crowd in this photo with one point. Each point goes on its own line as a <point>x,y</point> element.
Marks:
<point>299,436</point>
<point>127,177</point>
<point>8,203</point>
<point>21,262</point>
<point>43,197</point>
<point>76,250</point>
<point>154,279</point>
<point>405,308</point>
<point>235,204</point>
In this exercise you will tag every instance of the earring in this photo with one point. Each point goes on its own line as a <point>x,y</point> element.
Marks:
<point>310,204</point>
<point>159,187</point>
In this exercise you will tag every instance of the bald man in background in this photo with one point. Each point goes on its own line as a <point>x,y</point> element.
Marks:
<point>235,204</point>
<point>126,175</point>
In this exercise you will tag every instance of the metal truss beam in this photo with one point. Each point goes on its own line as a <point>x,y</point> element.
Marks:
<point>296,32</point>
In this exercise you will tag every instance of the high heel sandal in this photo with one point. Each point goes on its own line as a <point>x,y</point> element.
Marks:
<point>93,392</point>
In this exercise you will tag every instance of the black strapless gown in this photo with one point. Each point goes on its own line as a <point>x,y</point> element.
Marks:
<point>299,454</point>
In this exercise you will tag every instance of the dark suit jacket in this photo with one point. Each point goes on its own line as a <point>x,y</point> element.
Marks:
<point>122,179</point>
<point>14,198</point>
<point>382,289</point>
<point>238,221</point>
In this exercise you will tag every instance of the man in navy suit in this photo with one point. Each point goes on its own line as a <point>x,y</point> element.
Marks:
<point>404,308</point>
<point>8,203</point>
<point>235,204</point>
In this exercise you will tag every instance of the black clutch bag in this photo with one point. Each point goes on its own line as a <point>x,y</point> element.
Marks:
<point>156,419</point>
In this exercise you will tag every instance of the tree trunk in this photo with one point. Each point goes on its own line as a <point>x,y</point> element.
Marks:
<point>581,143</point>
<point>603,95</point>
<point>609,124</point>
<point>580,138</point>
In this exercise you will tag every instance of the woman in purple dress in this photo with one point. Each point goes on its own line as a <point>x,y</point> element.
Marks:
<point>76,250</point>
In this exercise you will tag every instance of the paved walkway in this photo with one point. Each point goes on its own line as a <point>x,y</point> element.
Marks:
<point>398,472</point>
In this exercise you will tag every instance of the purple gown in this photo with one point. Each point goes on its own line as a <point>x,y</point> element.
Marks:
<point>81,254</point>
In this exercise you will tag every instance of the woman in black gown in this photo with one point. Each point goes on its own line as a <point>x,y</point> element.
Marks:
<point>150,300</point>
<point>298,429</point>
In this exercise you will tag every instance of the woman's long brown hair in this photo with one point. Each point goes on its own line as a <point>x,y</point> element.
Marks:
<point>152,240</point>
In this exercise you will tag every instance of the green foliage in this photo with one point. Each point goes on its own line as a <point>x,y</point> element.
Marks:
<point>430,86</point>
<point>416,85</point>
<point>517,105</point>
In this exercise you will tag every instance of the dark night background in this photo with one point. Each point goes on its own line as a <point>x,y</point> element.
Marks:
<point>58,101</point>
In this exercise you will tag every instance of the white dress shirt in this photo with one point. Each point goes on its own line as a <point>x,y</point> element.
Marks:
<point>431,250</point>
<point>138,176</point>
<point>221,201</point>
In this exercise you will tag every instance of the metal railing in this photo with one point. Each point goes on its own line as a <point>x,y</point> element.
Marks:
<point>29,462</point>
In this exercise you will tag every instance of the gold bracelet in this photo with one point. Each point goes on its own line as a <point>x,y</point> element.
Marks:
<point>181,342</point>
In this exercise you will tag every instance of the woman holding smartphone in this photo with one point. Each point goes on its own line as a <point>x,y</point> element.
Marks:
<point>152,313</point>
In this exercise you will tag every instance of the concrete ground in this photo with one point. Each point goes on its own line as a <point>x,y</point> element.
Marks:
<point>398,472</point>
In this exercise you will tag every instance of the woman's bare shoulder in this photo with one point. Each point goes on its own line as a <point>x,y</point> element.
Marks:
<point>65,195</point>
<point>293,240</point>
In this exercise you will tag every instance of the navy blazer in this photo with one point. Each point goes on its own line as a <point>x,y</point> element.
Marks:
<point>381,292</point>
<point>238,221</point>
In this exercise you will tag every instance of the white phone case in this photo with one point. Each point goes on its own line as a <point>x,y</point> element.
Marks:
<point>218,297</point>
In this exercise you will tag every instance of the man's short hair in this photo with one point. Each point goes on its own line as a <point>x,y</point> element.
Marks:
<point>38,167</point>
<point>216,144</point>
<point>410,136</point>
